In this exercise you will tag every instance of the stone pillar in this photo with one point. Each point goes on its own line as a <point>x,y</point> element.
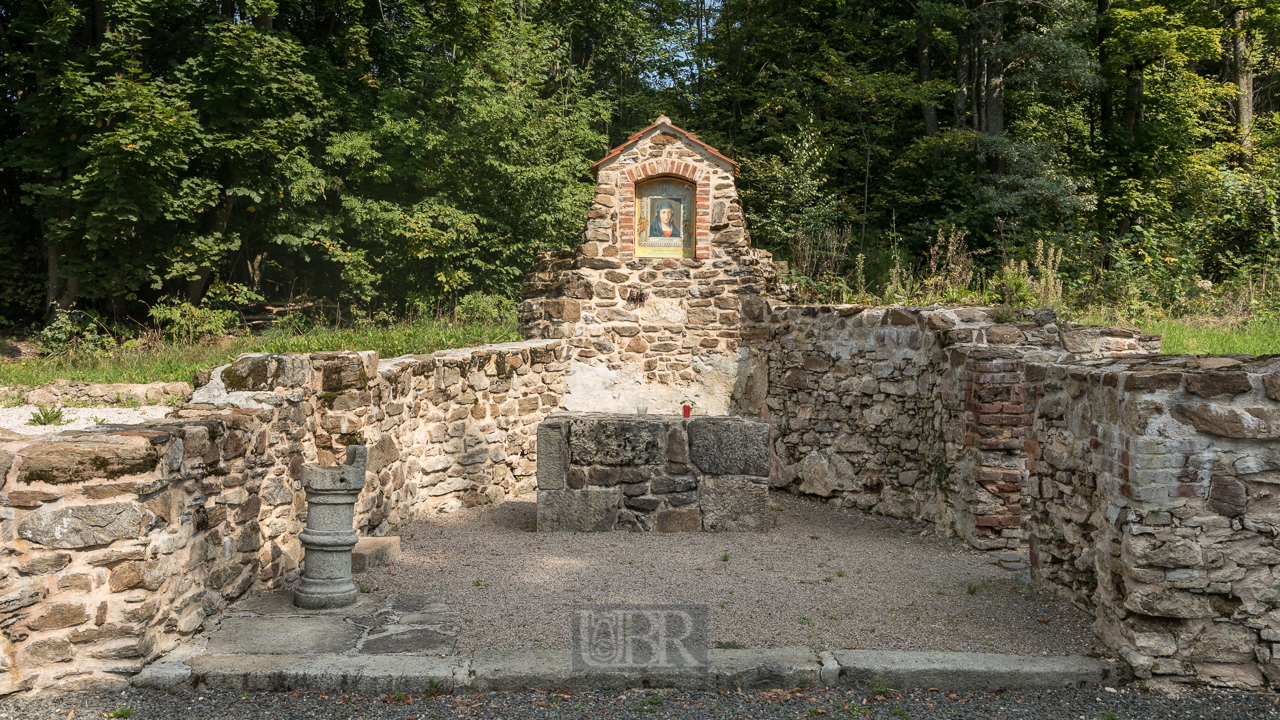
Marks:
<point>329,535</point>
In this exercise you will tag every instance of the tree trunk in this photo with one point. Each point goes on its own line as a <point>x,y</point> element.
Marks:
<point>218,221</point>
<point>70,293</point>
<point>53,280</point>
<point>99,22</point>
<point>1106,105</point>
<point>979,86</point>
<point>961,99</point>
<point>1133,99</point>
<point>993,74</point>
<point>1242,69</point>
<point>927,108</point>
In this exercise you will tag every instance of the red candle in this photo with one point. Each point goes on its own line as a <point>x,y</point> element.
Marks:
<point>687,410</point>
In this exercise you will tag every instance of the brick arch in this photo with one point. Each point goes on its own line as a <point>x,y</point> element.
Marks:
<point>665,167</point>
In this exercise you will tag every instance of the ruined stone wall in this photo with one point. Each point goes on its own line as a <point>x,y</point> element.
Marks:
<point>63,392</point>
<point>123,539</point>
<point>1154,502</point>
<point>1145,483</point>
<point>910,412</point>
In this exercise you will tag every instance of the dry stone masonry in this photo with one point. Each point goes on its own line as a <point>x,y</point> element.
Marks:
<point>910,412</point>
<point>64,392</point>
<point>1154,493</point>
<point>122,540</point>
<point>1145,484</point>
<point>599,472</point>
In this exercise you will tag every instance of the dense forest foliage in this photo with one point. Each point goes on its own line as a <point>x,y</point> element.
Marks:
<point>398,154</point>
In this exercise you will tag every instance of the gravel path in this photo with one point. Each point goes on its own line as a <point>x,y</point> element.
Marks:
<point>822,577</point>
<point>1090,704</point>
<point>15,418</point>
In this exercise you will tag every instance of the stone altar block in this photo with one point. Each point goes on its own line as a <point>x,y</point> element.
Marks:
<point>652,473</point>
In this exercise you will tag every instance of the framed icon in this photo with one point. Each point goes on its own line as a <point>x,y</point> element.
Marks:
<point>665,219</point>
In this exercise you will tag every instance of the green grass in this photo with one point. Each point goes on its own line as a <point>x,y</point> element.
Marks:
<point>171,363</point>
<point>177,362</point>
<point>1197,336</point>
<point>1253,338</point>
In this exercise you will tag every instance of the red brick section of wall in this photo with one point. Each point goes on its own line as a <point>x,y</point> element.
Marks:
<point>996,422</point>
<point>700,177</point>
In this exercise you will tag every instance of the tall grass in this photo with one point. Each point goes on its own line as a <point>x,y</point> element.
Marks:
<point>178,362</point>
<point>1182,336</point>
<point>1196,336</point>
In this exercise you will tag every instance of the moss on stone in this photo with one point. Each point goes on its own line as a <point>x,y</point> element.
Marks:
<point>44,476</point>
<point>245,375</point>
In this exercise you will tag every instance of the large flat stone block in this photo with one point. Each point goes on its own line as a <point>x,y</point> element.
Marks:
<point>371,552</point>
<point>974,671</point>
<point>83,526</point>
<point>83,457</point>
<point>617,441</point>
<point>284,636</point>
<point>734,504</point>
<point>686,519</point>
<point>552,455</point>
<point>729,446</point>
<point>591,510</point>
<point>363,674</point>
<point>266,372</point>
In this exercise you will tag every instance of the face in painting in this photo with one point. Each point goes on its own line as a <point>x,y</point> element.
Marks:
<point>663,222</point>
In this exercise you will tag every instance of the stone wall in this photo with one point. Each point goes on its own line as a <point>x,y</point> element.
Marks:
<point>599,472</point>
<point>910,412</point>
<point>63,392</point>
<point>1155,503</point>
<point>123,539</point>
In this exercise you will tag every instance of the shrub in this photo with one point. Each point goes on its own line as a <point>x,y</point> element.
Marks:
<point>76,331</point>
<point>480,308</point>
<point>182,321</point>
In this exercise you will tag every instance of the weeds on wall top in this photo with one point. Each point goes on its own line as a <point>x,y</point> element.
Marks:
<point>950,276</point>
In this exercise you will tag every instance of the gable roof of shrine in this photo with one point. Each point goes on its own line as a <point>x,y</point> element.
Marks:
<point>662,121</point>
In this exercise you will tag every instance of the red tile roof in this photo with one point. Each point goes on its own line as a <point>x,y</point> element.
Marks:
<point>662,120</point>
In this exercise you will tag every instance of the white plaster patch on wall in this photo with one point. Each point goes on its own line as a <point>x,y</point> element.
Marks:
<point>662,311</point>
<point>593,387</point>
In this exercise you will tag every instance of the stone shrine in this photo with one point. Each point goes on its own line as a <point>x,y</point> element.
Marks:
<point>654,304</point>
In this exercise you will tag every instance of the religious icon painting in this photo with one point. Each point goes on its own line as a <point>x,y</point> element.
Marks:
<point>665,218</point>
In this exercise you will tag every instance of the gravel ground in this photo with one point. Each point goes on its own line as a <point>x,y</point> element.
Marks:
<point>15,418</point>
<point>1089,704</point>
<point>822,577</point>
